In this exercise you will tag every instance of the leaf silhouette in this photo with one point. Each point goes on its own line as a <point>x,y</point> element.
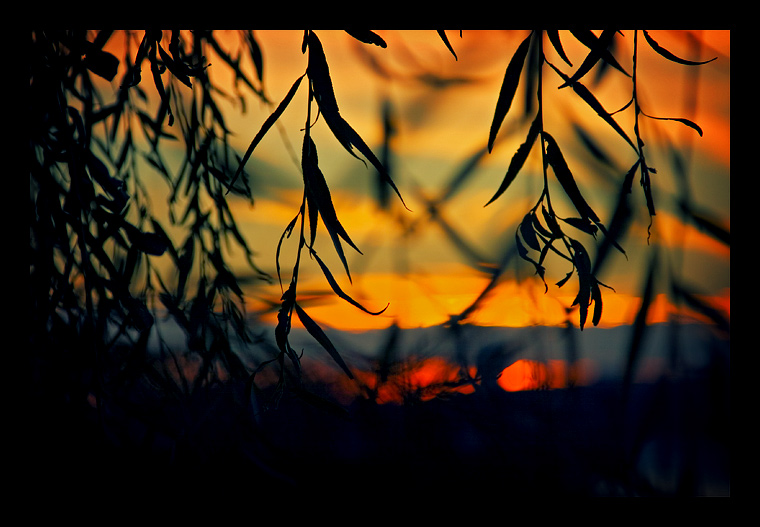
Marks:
<point>442,34</point>
<point>319,75</point>
<point>565,177</point>
<point>527,232</point>
<point>594,103</point>
<point>670,56</point>
<point>599,50</point>
<point>553,35</point>
<point>336,288</point>
<point>265,128</point>
<point>282,330</point>
<point>707,224</point>
<point>367,36</point>
<point>319,193</point>
<point>518,159</point>
<point>320,336</point>
<point>687,122</point>
<point>508,88</point>
<point>586,280</point>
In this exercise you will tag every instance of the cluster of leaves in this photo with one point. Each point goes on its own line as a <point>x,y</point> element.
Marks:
<point>541,229</point>
<point>94,237</point>
<point>317,201</point>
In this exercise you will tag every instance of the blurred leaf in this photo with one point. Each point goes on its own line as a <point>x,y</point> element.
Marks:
<point>518,159</point>
<point>702,307</point>
<point>255,52</point>
<point>265,128</point>
<point>101,63</point>
<point>367,36</point>
<point>148,242</point>
<point>706,224</point>
<point>640,323</point>
<point>670,56</point>
<point>319,335</point>
<point>508,88</point>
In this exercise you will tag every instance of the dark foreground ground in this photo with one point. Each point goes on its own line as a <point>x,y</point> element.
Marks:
<point>671,439</point>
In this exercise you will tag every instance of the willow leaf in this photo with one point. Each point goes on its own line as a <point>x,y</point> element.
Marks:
<point>508,88</point>
<point>367,36</point>
<point>591,41</point>
<point>596,296</point>
<point>594,103</point>
<point>518,159</point>
<point>687,122</point>
<point>553,35</point>
<point>265,128</point>
<point>445,39</point>
<point>318,195</point>
<point>565,178</point>
<point>336,288</point>
<point>320,336</point>
<point>319,75</point>
<point>670,56</point>
<point>598,51</point>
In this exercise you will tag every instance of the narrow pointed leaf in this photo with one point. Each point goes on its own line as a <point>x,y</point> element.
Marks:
<point>670,56</point>
<point>687,122</point>
<point>565,177</point>
<point>338,291</point>
<point>596,296</point>
<point>265,128</point>
<point>588,39</point>
<point>319,75</point>
<point>320,336</point>
<point>527,232</point>
<point>518,160</point>
<point>508,88</point>
<point>640,325</point>
<point>442,34</point>
<point>594,103</point>
<point>551,222</point>
<point>598,51</point>
<point>367,36</point>
<point>553,35</point>
<point>318,195</point>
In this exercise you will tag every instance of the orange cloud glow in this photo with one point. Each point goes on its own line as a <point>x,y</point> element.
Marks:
<point>423,301</point>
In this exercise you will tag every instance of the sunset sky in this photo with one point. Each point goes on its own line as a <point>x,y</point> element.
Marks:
<point>442,109</point>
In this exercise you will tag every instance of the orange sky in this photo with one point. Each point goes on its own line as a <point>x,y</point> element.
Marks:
<point>423,276</point>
